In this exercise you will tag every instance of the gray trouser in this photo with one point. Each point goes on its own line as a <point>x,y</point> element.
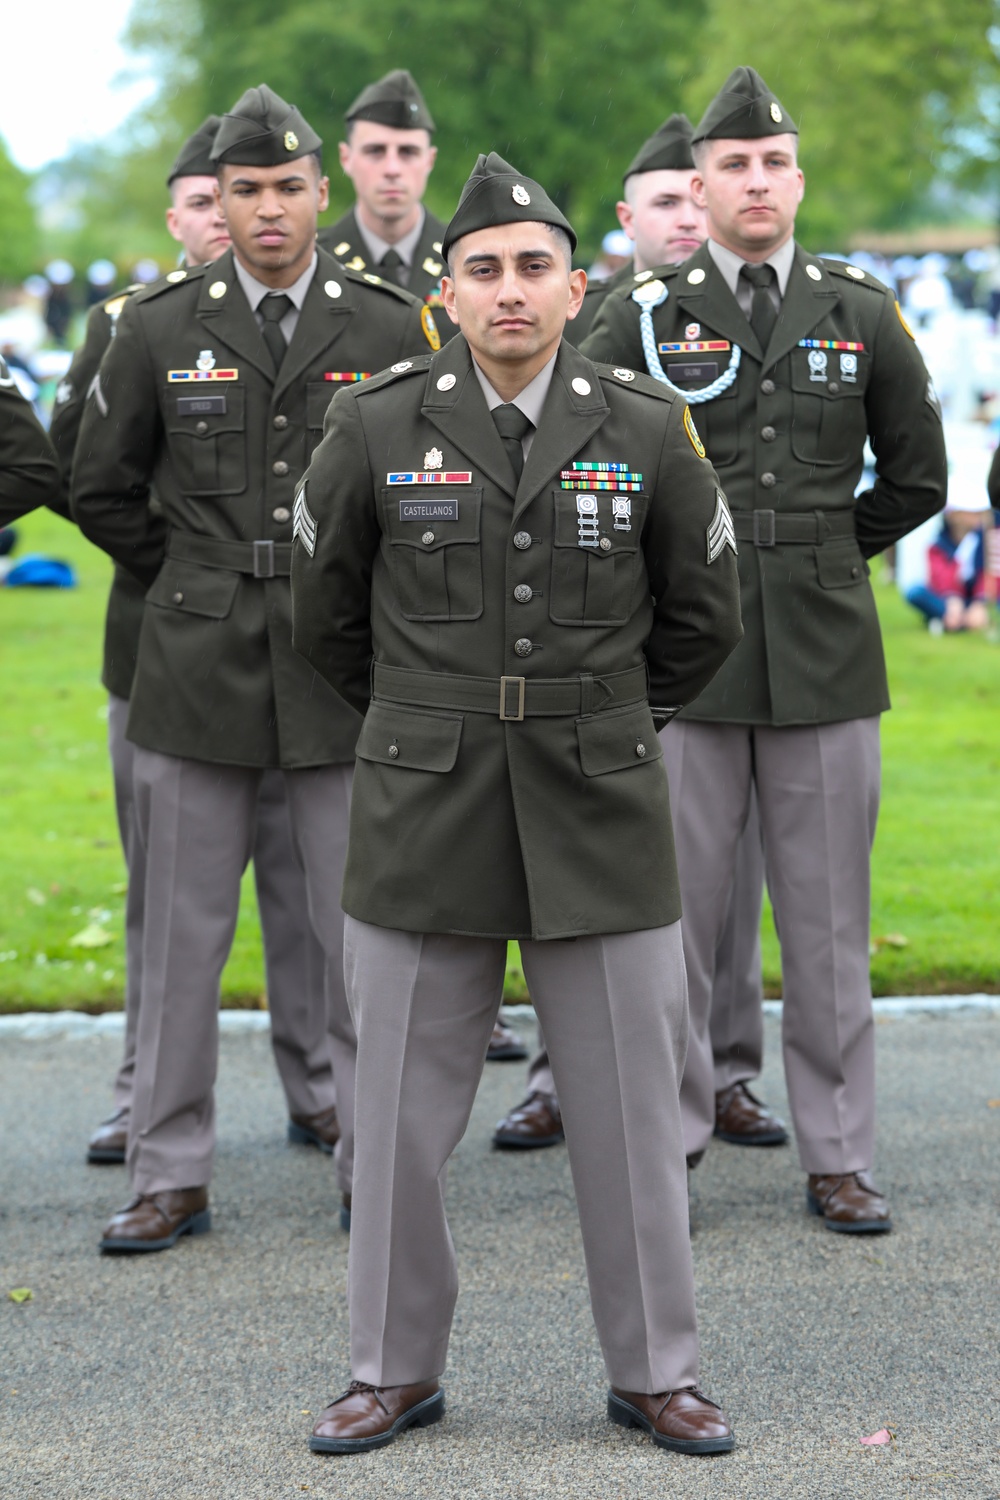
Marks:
<point>615,1015</point>
<point>737,1019</point>
<point>293,958</point>
<point>197,823</point>
<point>817,790</point>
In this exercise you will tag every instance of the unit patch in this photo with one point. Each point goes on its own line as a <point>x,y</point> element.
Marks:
<point>304,523</point>
<point>721,532</point>
<point>692,432</point>
<point>906,326</point>
<point>429,326</point>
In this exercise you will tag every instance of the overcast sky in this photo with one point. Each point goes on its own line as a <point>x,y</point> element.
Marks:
<point>60,58</point>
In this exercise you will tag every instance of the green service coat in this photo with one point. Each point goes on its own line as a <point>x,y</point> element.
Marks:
<point>593,301</point>
<point>788,437</point>
<point>345,241</point>
<point>123,619</point>
<point>217,678</point>
<point>29,473</point>
<point>462,822</point>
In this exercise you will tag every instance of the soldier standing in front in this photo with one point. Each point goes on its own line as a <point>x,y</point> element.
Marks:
<point>793,362</point>
<point>532,549</point>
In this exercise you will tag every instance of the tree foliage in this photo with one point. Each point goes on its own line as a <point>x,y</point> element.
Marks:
<point>19,243</point>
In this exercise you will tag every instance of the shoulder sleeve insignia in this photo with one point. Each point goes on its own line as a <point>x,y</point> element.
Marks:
<point>721,532</point>
<point>429,326</point>
<point>696,442</point>
<point>906,326</point>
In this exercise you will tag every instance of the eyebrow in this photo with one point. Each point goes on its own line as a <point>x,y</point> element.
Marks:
<point>485,258</point>
<point>256,182</point>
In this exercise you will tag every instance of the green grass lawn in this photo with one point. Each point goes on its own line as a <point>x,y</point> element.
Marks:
<point>937,857</point>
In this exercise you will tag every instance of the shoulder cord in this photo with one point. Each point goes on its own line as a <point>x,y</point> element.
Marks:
<point>646,301</point>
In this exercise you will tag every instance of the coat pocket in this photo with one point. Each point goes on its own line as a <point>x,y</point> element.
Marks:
<point>411,738</point>
<point>433,542</point>
<point>596,556</point>
<point>617,740</point>
<point>840,565</point>
<point>828,415</point>
<point>207,438</point>
<point>187,589</point>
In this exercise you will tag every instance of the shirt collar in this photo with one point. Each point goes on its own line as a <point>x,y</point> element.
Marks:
<point>731,264</point>
<point>529,401</point>
<point>256,291</point>
<point>404,248</point>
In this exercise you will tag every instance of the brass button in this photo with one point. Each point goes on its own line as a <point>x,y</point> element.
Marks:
<point>640,750</point>
<point>768,434</point>
<point>605,544</point>
<point>178,598</point>
<point>393,751</point>
<point>281,513</point>
<point>281,423</point>
<point>767,387</point>
<point>427,538</point>
<point>522,540</point>
<point>768,481</point>
<point>833,386</point>
<point>523,593</point>
<point>201,427</point>
<point>523,647</point>
<point>280,468</point>
<point>855,572</point>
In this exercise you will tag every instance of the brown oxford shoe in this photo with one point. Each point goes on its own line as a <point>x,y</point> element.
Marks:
<point>684,1420</point>
<point>537,1121</point>
<point>505,1045</point>
<point>848,1203</point>
<point>155,1221</point>
<point>369,1416</point>
<point>322,1130</point>
<point>107,1145</point>
<point>744,1120</point>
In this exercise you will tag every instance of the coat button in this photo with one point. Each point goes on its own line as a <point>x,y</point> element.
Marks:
<point>522,540</point>
<point>605,544</point>
<point>855,572</point>
<point>280,468</point>
<point>201,427</point>
<point>767,387</point>
<point>281,513</point>
<point>768,434</point>
<point>523,593</point>
<point>640,750</point>
<point>280,423</point>
<point>427,538</point>
<point>523,647</point>
<point>833,386</point>
<point>393,751</point>
<point>178,598</point>
<point>768,481</point>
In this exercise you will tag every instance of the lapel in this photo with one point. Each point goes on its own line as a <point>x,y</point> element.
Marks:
<point>321,322</point>
<point>462,416</point>
<point>228,318</point>
<point>569,421</point>
<point>426,255</point>
<point>711,302</point>
<point>805,303</point>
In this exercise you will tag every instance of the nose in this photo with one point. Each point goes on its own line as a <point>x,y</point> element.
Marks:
<point>757,177</point>
<point>509,289</point>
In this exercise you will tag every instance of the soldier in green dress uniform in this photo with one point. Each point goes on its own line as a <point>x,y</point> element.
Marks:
<point>213,394</point>
<point>521,541</point>
<point>792,362</point>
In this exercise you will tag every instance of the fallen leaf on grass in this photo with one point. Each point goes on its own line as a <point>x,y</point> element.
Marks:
<point>878,1439</point>
<point>92,936</point>
<point>890,940</point>
<point>20,1294</point>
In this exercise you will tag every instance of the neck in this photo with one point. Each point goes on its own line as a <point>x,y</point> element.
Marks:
<point>390,230</point>
<point>277,276</point>
<point>509,377</point>
<point>755,255</point>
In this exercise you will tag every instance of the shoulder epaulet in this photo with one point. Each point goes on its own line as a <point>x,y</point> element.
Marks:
<point>641,278</point>
<point>856,275</point>
<point>116,302</point>
<point>634,380</point>
<point>403,367</point>
<point>368,278</point>
<point>180,277</point>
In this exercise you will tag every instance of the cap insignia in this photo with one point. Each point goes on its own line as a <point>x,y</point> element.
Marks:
<point>520,195</point>
<point>291,140</point>
<point>776,114</point>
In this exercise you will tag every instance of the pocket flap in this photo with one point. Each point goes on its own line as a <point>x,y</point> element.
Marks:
<point>617,739</point>
<point>839,565</point>
<point>319,394</point>
<point>193,590</point>
<point>415,738</point>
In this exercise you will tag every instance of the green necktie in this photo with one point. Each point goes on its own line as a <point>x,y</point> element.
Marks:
<point>762,310</point>
<point>272,309</point>
<point>513,426</point>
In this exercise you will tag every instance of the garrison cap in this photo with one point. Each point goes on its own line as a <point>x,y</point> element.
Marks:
<point>394,100</point>
<point>744,109</point>
<point>193,159</point>
<point>262,130</point>
<point>668,149</point>
<point>497,194</point>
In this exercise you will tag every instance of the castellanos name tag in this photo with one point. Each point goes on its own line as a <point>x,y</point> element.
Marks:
<point>428,510</point>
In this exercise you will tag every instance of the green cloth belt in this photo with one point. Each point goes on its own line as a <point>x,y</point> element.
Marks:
<point>765,528</point>
<point>509,697</point>
<point>264,559</point>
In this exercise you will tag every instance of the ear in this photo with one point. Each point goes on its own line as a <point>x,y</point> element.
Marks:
<point>577,287</point>
<point>626,217</point>
<point>448,298</point>
<point>344,153</point>
<point>172,223</point>
<point>698,190</point>
<point>323,194</point>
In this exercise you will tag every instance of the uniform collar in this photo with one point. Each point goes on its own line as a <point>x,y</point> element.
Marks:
<point>730,264</point>
<point>529,401</point>
<point>404,248</point>
<point>256,291</point>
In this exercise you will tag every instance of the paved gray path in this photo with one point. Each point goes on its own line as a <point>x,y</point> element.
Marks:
<point>195,1373</point>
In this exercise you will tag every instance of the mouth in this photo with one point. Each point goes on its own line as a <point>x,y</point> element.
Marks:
<point>511,325</point>
<point>272,238</point>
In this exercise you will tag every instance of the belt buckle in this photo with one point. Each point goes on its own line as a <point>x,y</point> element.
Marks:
<point>763,528</point>
<point>263,559</point>
<point>505,683</point>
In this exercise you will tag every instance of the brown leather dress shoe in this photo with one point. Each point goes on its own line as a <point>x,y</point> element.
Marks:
<point>536,1121</point>
<point>684,1420</point>
<point>368,1416</point>
<point>155,1221</point>
<point>505,1045</point>
<point>106,1146</point>
<point>744,1120</point>
<point>848,1203</point>
<point>322,1130</point>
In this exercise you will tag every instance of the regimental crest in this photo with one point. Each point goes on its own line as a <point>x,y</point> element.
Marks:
<point>205,360</point>
<point>304,523</point>
<point>434,459</point>
<point>721,532</point>
<point>693,331</point>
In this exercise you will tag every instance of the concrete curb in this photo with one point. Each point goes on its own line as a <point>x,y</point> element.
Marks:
<point>48,1025</point>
